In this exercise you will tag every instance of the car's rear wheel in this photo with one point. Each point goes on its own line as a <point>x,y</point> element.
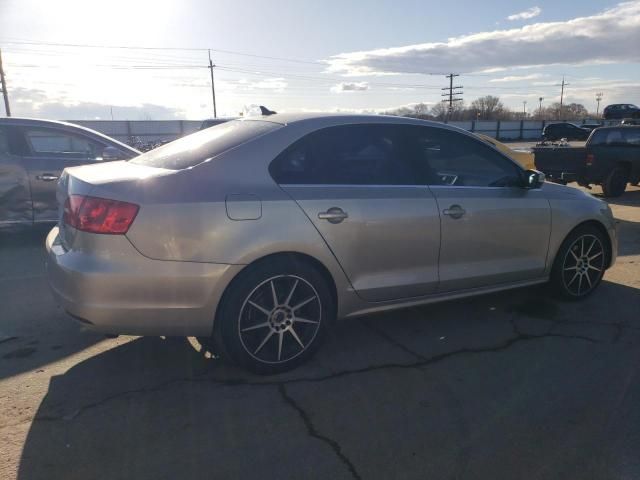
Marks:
<point>275,315</point>
<point>615,183</point>
<point>580,263</point>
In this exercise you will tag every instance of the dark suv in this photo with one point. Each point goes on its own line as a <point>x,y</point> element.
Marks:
<point>621,110</point>
<point>558,131</point>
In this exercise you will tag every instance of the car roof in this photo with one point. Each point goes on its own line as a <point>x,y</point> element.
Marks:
<point>38,122</point>
<point>325,118</point>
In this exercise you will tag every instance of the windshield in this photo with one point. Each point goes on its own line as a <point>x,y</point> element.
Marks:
<point>193,149</point>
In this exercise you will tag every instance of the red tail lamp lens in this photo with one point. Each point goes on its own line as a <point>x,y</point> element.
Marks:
<point>99,215</point>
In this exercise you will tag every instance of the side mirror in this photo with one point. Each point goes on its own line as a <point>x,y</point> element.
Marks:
<point>110,154</point>
<point>533,179</point>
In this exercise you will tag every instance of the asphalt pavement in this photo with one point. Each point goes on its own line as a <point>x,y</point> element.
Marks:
<point>513,385</point>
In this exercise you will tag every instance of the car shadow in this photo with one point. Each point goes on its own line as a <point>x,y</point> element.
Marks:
<point>34,331</point>
<point>160,408</point>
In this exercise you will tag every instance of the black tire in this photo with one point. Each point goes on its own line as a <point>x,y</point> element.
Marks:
<point>615,183</point>
<point>267,336</point>
<point>580,263</point>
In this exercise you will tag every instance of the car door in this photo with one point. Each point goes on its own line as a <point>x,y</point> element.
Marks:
<point>15,193</point>
<point>356,187</point>
<point>49,152</point>
<point>493,231</point>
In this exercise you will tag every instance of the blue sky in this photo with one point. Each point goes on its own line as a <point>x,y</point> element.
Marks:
<point>357,56</point>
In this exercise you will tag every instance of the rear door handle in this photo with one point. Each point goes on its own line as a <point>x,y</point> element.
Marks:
<point>47,177</point>
<point>454,211</point>
<point>333,215</point>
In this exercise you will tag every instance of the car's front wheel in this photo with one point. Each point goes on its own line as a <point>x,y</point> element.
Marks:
<point>275,315</point>
<point>580,263</point>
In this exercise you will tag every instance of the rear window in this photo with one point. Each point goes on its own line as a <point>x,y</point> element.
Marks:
<point>193,149</point>
<point>618,136</point>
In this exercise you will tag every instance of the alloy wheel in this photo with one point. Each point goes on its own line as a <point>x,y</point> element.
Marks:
<point>583,265</point>
<point>279,319</point>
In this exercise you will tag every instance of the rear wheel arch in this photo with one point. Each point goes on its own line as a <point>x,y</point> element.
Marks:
<point>283,256</point>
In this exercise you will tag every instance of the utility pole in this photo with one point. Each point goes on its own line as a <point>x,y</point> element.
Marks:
<point>524,109</point>
<point>453,91</point>
<point>598,99</point>
<point>3,85</point>
<point>213,87</point>
<point>563,84</point>
<point>540,106</point>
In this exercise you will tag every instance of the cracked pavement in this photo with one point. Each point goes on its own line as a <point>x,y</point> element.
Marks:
<point>509,385</point>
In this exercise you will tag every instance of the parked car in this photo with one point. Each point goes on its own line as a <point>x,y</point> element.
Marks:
<point>611,158</point>
<point>620,110</point>
<point>33,154</point>
<point>255,235</point>
<point>524,158</point>
<point>630,121</point>
<point>569,131</point>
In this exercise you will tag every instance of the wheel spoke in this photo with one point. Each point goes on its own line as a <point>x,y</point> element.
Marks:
<point>266,339</point>
<point>596,255</point>
<point>586,275</point>
<point>262,309</point>
<point>591,267</point>
<point>304,320</point>
<point>570,268</point>
<point>579,284</point>
<point>295,335</point>
<point>582,247</point>
<point>573,254</point>
<point>293,289</point>
<point>255,327</point>
<point>273,292</point>
<point>303,303</point>
<point>280,337</point>
<point>592,244</point>
<point>575,275</point>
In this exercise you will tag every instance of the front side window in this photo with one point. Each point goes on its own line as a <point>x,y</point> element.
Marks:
<point>455,159</point>
<point>56,142</point>
<point>346,155</point>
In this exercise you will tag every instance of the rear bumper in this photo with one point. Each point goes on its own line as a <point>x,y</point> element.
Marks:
<point>122,292</point>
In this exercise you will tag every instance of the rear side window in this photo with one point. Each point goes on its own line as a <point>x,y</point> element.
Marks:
<point>615,136</point>
<point>43,141</point>
<point>346,155</point>
<point>194,149</point>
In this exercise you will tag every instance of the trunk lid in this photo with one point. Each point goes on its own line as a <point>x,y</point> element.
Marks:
<point>90,180</point>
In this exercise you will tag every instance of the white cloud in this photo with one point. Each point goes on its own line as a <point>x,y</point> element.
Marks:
<point>517,78</point>
<point>610,36</point>
<point>525,15</point>
<point>350,87</point>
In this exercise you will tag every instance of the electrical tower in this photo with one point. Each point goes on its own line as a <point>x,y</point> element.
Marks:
<point>452,93</point>
<point>3,86</point>
<point>563,84</point>
<point>598,99</point>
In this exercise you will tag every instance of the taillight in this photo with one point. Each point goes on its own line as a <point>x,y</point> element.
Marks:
<point>99,215</point>
<point>589,160</point>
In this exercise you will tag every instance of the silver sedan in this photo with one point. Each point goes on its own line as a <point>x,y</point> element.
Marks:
<point>257,234</point>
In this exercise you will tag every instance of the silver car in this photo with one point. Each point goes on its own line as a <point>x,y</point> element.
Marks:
<point>33,154</point>
<point>257,234</point>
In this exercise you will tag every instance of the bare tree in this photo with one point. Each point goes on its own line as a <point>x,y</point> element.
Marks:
<point>487,107</point>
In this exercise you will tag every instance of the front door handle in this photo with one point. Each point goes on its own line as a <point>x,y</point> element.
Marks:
<point>47,177</point>
<point>333,215</point>
<point>454,211</point>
